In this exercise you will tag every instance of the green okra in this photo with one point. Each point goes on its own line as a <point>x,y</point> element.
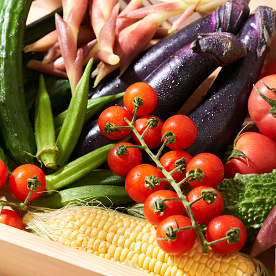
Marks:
<point>74,119</point>
<point>106,195</point>
<point>94,105</point>
<point>47,152</point>
<point>78,168</point>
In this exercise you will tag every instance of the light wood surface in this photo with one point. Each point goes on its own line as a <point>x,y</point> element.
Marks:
<point>23,253</point>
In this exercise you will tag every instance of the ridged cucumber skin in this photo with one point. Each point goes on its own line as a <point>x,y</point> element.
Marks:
<point>106,195</point>
<point>250,197</point>
<point>15,126</point>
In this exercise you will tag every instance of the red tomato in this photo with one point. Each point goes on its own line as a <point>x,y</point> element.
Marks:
<point>168,161</point>
<point>259,108</point>
<point>259,149</point>
<point>3,174</point>
<point>269,68</point>
<point>217,228</point>
<point>184,129</point>
<point>202,210</point>
<point>152,138</point>
<point>135,182</point>
<point>172,207</point>
<point>146,93</point>
<point>185,238</point>
<point>212,167</point>
<point>121,165</point>
<point>114,115</point>
<point>18,182</point>
<point>11,218</point>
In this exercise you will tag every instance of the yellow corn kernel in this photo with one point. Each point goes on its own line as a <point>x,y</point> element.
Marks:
<point>121,238</point>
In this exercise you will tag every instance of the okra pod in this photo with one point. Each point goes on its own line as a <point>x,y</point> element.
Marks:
<point>74,119</point>
<point>47,152</point>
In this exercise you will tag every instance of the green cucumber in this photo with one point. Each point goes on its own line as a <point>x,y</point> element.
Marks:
<point>15,126</point>
<point>106,195</point>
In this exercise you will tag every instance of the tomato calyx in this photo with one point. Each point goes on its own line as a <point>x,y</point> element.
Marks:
<point>194,175</point>
<point>160,205</point>
<point>169,138</point>
<point>232,236</point>
<point>180,165</point>
<point>152,181</point>
<point>268,100</point>
<point>208,195</point>
<point>109,128</point>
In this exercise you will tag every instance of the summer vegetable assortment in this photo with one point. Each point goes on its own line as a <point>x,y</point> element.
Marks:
<point>202,184</point>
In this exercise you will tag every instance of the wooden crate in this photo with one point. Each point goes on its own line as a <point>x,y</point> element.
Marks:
<point>22,253</point>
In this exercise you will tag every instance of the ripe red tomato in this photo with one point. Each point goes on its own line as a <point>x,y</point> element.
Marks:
<point>260,151</point>
<point>18,182</point>
<point>217,228</point>
<point>212,167</point>
<point>259,108</point>
<point>3,174</point>
<point>146,93</point>
<point>184,129</point>
<point>168,161</point>
<point>135,182</point>
<point>185,239</point>
<point>121,165</point>
<point>204,211</point>
<point>172,207</point>
<point>152,138</point>
<point>114,115</point>
<point>11,218</point>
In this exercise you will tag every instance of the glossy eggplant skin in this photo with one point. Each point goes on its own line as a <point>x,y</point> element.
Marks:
<point>176,79</point>
<point>220,116</point>
<point>229,17</point>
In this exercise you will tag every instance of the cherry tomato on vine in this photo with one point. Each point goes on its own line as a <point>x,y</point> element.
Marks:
<point>168,161</point>
<point>11,218</point>
<point>184,129</point>
<point>3,174</point>
<point>146,93</point>
<point>135,182</point>
<point>210,165</point>
<point>121,159</point>
<point>152,138</point>
<point>217,228</point>
<point>165,208</point>
<point>18,182</point>
<point>205,211</point>
<point>260,151</point>
<point>115,115</point>
<point>262,111</point>
<point>185,239</point>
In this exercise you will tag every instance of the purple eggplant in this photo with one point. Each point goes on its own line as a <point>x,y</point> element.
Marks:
<point>177,78</point>
<point>220,116</point>
<point>229,17</point>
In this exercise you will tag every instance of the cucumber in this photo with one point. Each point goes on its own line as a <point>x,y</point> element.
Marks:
<point>106,195</point>
<point>15,126</point>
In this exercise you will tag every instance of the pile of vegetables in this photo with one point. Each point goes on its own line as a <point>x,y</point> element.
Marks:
<point>117,141</point>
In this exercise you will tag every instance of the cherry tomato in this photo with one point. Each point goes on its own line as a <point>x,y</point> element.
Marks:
<point>184,129</point>
<point>210,165</point>
<point>122,164</point>
<point>172,207</point>
<point>185,238</point>
<point>152,138</point>
<point>217,228</point>
<point>114,115</point>
<point>146,93</point>
<point>11,218</point>
<point>135,182</point>
<point>259,108</point>
<point>260,151</point>
<point>3,174</point>
<point>204,211</point>
<point>18,182</point>
<point>168,161</point>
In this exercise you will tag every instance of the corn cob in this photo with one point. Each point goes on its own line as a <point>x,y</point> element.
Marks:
<point>130,241</point>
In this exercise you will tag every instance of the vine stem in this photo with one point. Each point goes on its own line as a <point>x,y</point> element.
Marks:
<point>175,185</point>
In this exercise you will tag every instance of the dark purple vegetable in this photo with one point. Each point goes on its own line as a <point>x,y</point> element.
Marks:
<point>229,17</point>
<point>177,78</point>
<point>221,114</point>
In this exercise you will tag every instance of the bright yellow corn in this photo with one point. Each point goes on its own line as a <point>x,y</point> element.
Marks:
<point>127,240</point>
